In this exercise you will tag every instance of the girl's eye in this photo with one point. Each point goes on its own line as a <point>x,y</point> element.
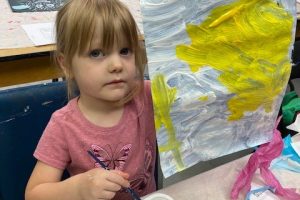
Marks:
<point>125,51</point>
<point>96,53</point>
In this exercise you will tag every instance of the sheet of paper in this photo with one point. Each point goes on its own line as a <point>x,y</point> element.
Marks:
<point>266,195</point>
<point>40,33</point>
<point>296,138</point>
<point>296,125</point>
<point>217,81</point>
<point>261,194</point>
<point>296,147</point>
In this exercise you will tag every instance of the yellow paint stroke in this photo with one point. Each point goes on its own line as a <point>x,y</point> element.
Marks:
<point>248,42</point>
<point>203,98</point>
<point>163,98</point>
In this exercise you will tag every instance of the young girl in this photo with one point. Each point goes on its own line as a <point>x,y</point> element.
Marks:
<point>99,52</point>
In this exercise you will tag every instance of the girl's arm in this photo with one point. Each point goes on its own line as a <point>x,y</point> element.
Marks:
<point>45,184</point>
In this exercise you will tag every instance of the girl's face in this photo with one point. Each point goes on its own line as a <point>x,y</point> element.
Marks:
<point>102,75</point>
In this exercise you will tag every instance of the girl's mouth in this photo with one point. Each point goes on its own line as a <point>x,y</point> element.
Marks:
<point>115,82</point>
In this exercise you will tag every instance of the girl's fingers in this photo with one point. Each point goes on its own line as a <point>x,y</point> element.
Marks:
<point>107,195</point>
<point>123,174</point>
<point>113,187</point>
<point>119,178</point>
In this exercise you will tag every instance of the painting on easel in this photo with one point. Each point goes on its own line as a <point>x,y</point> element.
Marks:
<point>218,70</point>
<point>35,5</point>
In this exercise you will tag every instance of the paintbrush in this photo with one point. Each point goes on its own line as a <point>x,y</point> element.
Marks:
<point>133,194</point>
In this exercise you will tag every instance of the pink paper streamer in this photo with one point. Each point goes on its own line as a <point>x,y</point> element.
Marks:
<point>261,159</point>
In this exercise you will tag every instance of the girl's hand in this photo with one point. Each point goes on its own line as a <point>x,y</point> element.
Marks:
<point>101,184</point>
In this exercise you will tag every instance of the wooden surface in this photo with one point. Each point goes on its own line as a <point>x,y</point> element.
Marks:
<point>28,70</point>
<point>26,50</point>
<point>14,40</point>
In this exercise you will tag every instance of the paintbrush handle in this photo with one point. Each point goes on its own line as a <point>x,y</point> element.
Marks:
<point>129,190</point>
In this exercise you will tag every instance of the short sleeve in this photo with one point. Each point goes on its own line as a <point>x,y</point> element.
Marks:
<point>52,147</point>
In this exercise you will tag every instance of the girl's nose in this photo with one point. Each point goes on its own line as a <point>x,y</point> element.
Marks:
<point>115,64</point>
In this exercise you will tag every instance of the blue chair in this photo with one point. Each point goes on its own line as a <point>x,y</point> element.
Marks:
<point>24,113</point>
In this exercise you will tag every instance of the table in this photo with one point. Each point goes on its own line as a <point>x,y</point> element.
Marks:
<point>217,183</point>
<point>13,39</point>
<point>14,42</point>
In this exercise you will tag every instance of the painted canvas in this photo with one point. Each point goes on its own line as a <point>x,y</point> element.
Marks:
<point>35,5</point>
<point>218,69</point>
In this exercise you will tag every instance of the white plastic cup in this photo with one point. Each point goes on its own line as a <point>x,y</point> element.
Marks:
<point>158,196</point>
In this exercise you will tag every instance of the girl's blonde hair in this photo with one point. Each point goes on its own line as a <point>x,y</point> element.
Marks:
<point>76,26</point>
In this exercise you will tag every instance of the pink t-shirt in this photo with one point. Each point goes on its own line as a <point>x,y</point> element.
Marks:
<point>128,146</point>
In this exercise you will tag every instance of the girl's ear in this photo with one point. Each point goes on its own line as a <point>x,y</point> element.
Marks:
<point>63,65</point>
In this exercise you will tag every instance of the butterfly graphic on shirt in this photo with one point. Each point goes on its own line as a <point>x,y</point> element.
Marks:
<point>141,181</point>
<point>113,158</point>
